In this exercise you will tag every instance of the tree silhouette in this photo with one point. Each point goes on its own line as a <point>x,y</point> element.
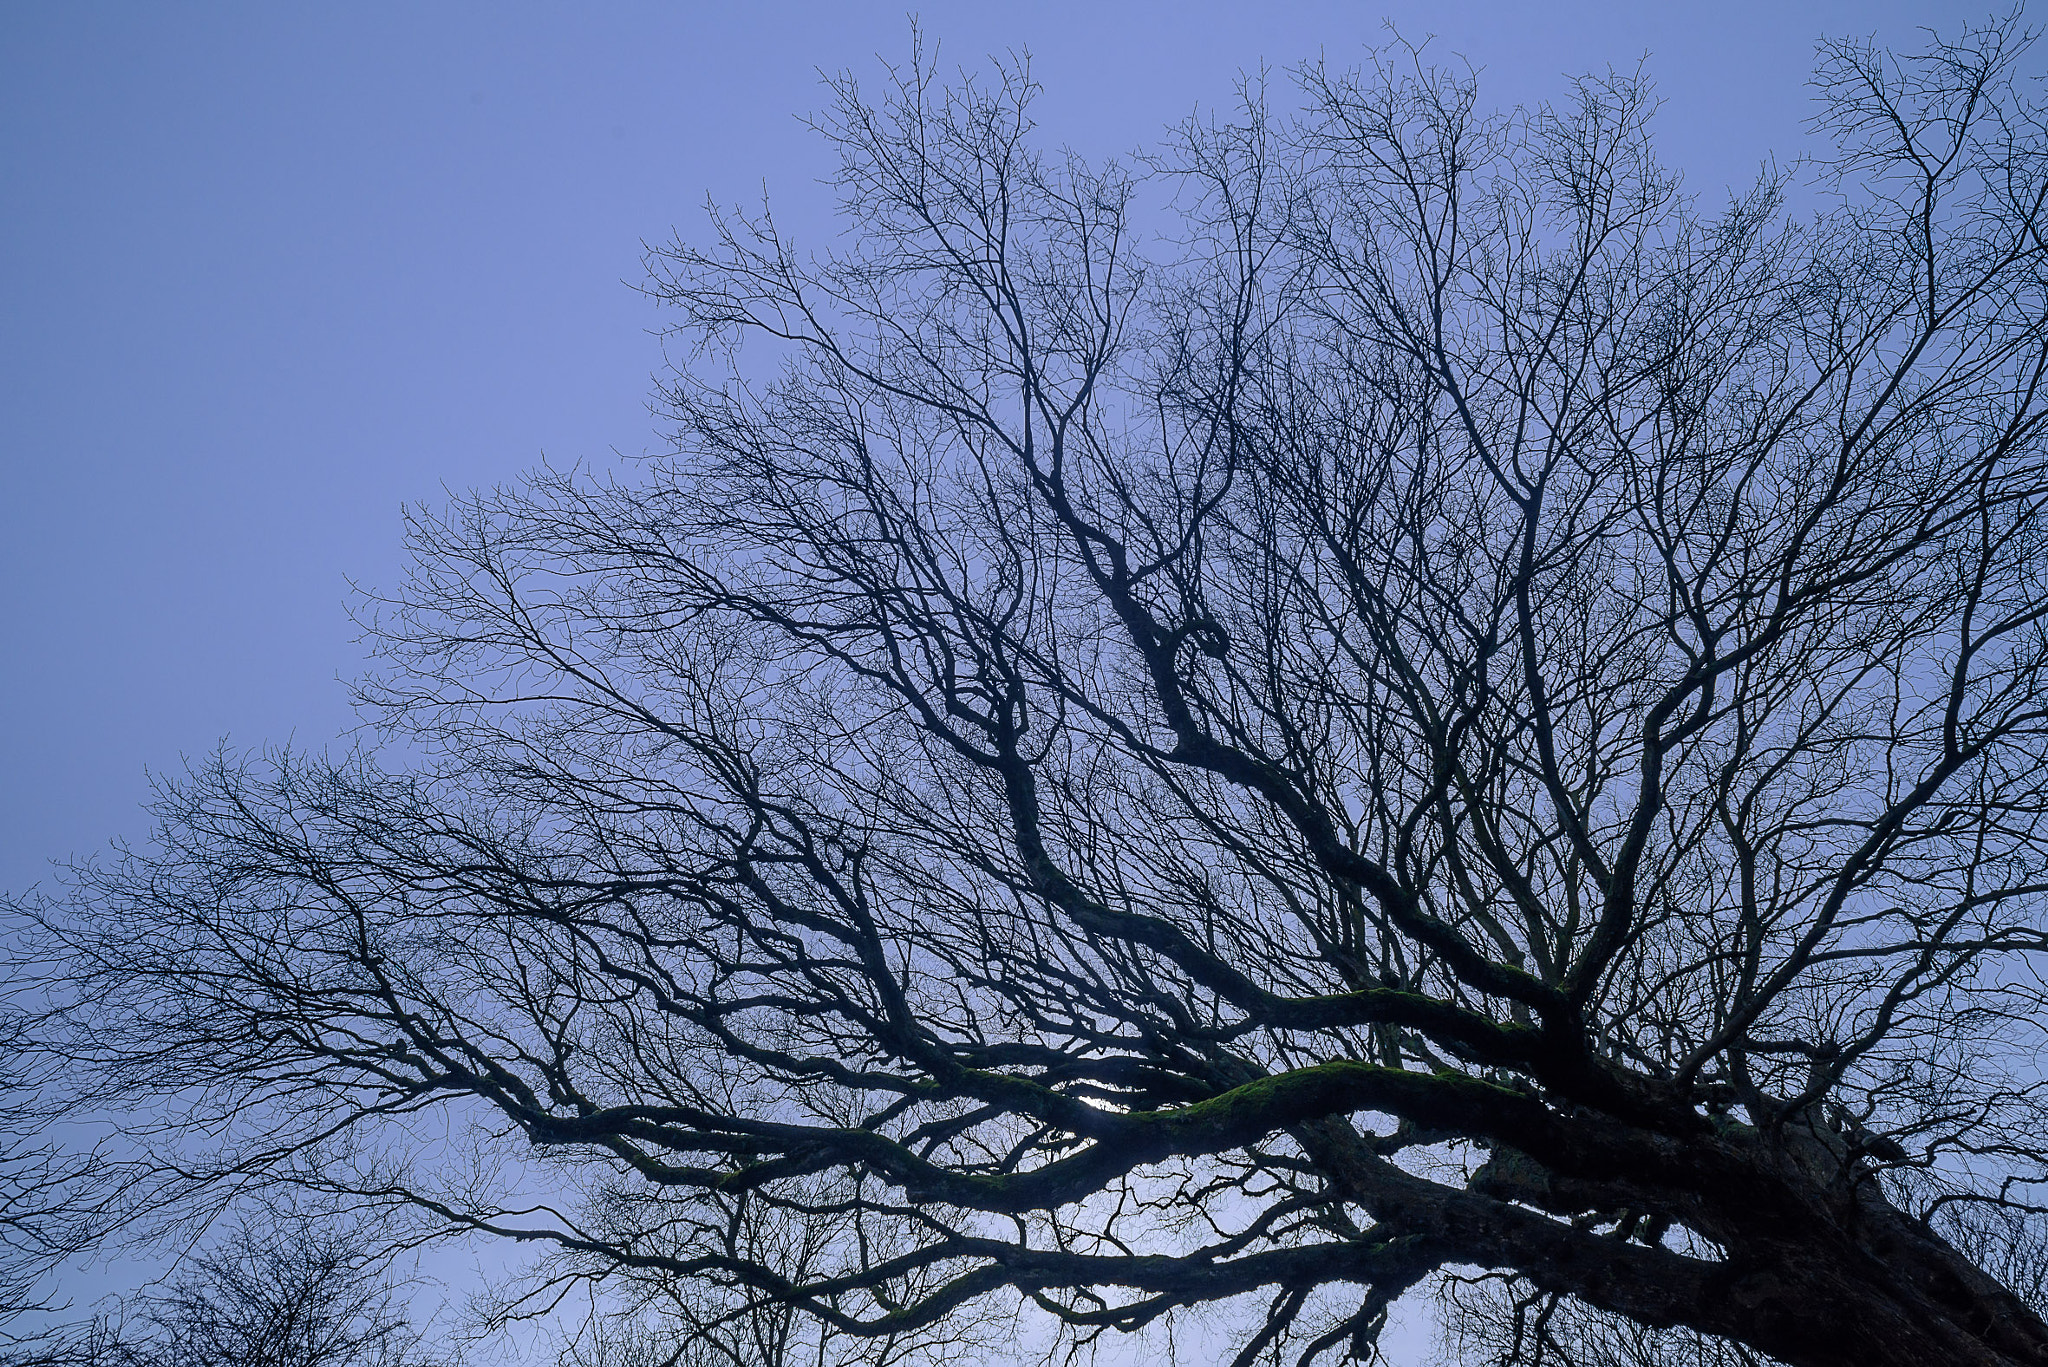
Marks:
<point>1431,705</point>
<point>294,1295</point>
<point>284,1290</point>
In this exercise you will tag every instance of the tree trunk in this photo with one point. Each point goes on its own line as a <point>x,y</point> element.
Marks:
<point>1828,1274</point>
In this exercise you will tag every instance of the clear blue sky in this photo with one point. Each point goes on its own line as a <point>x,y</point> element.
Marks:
<point>272,270</point>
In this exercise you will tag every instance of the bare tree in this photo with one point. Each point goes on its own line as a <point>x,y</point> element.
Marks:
<point>282,1290</point>
<point>1458,710</point>
<point>59,1192</point>
<point>293,1293</point>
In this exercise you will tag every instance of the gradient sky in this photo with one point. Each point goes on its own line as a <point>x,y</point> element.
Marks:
<point>271,271</point>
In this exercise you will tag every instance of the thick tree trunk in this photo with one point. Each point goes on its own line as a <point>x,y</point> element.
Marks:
<point>1895,1295</point>
<point>1822,1274</point>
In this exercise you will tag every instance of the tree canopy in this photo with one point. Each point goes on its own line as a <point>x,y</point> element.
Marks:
<point>1378,694</point>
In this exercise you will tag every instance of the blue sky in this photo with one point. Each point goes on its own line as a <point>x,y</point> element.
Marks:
<point>273,270</point>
